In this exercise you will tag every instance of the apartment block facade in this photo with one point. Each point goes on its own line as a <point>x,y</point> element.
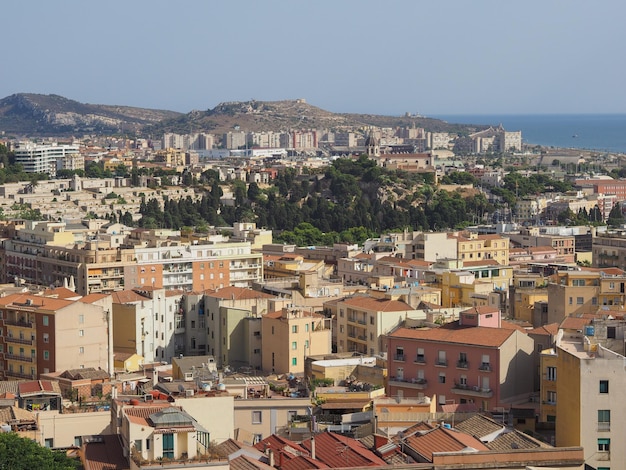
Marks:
<point>473,360</point>
<point>43,334</point>
<point>291,334</point>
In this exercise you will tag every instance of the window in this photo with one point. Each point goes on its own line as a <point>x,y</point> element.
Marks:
<point>291,415</point>
<point>420,355</point>
<point>580,301</point>
<point>604,386</point>
<point>168,445</point>
<point>78,441</point>
<point>372,320</point>
<point>294,328</point>
<point>571,300</point>
<point>551,397</point>
<point>610,332</point>
<point>257,417</point>
<point>604,420</point>
<point>46,338</point>
<point>81,318</point>
<point>551,373</point>
<point>442,378</point>
<point>45,321</point>
<point>306,327</point>
<point>462,360</point>
<point>137,444</point>
<point>578,282</point>
<point>294,361</point>
<point>485,363</point>
<point>604,445</point>
<point>294,345</point>
<point>399,354</point>
<point>463,380</point>
<point>46,355</point>
<point>81,332</point>
<point>441,358</point>
<point>49,443</point>
<point>81,350</point>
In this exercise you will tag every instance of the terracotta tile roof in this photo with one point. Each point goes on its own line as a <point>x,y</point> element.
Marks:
<point>229,446</point>
<point>377,305</point>
<point>105,455</point>
<point>301,462</point>
<point>61,293</point>
<point>520,326</point>
<point>14,413</point>
<point>36,301</point>
<point>482,310</point>
<point>35,387</point>
<point>174,292</point>
<point>243,462</point>
<point>291,449</point>
<point>237,293</point>
<point>336,450</point>
<point>9,386</point>
<point>479,426</point>
<point>362,256</point>
<point>485,262</point>
<point>550,329</point>
<point>91,298</point>
<point>475,336</point>
<point>442,440</point>
<point>127,297</point>
<point>574,323</point>
<point>515,440</point>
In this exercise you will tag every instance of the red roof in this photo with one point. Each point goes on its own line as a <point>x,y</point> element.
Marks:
<point>336,450</point>
<point>35,386</point>
<point>474,336</point>
<point>378,305</point>
<point>289,448</point>
<point>237,293</point>
<point>442,440</point>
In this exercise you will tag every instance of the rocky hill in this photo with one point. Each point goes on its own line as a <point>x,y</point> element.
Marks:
<point>44,115</point>
<point>41,115</point>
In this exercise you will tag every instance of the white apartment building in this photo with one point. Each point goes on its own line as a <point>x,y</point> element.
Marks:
<point>38,158</point>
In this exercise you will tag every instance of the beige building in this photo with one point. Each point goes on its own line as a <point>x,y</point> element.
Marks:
<point>589,410</point>
<point>291,334</point>
<point>362,322</point>
<point>474,247</point>
<point>43,334</point>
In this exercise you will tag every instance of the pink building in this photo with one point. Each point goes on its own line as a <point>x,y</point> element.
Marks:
<point>473,360</point>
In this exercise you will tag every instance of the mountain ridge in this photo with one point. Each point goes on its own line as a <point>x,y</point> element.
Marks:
<point>34,114</point>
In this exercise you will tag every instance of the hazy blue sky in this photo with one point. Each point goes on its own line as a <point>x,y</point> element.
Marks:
<point>384,57</point>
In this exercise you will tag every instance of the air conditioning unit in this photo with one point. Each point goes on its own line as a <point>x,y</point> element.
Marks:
<point>189,392</point>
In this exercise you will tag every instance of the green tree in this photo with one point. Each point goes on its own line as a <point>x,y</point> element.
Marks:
<point>18,453</point>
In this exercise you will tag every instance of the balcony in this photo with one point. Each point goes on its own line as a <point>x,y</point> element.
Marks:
<point>20,323</point>
<point>485,366</point>
<point>441,362</point>
<point>420,360</point>
<point>472,391</point>
<point>399,357</point>
<point>18,357</point>
<point>604,426</point>
<point>462,364</point>
<point>416,383</point>
<point>11,339</point>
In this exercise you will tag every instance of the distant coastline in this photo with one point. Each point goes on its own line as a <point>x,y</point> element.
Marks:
<point>600,132</point>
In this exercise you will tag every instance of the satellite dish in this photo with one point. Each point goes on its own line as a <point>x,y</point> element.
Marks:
<point>181,388</point>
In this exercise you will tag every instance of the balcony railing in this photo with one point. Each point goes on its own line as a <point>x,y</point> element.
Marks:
<point>420,360</point>
<point>441,362</point>
<point>399,357</point>
<point>462,364</point>
<point>11,339</point>
<point>21,323</point>
<point>604,426</point>
<point>415,383</point>
<point>18,357</point>
<point>475,391</point>
<point>485,366</point>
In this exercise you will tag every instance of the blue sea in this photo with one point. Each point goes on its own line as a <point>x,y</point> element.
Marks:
<point>584,131</point>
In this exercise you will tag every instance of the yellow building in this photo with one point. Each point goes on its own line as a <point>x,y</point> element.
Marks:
<point>472,282</point>
<point>590,410</point>
<point>577,292</point>
<point>291,334</point>
<point>474,247</point>
<point>547,377</point>
<point>525,290</point>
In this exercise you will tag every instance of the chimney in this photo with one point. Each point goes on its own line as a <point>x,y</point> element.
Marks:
<point>270,453</point>
<point>313,447</point>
